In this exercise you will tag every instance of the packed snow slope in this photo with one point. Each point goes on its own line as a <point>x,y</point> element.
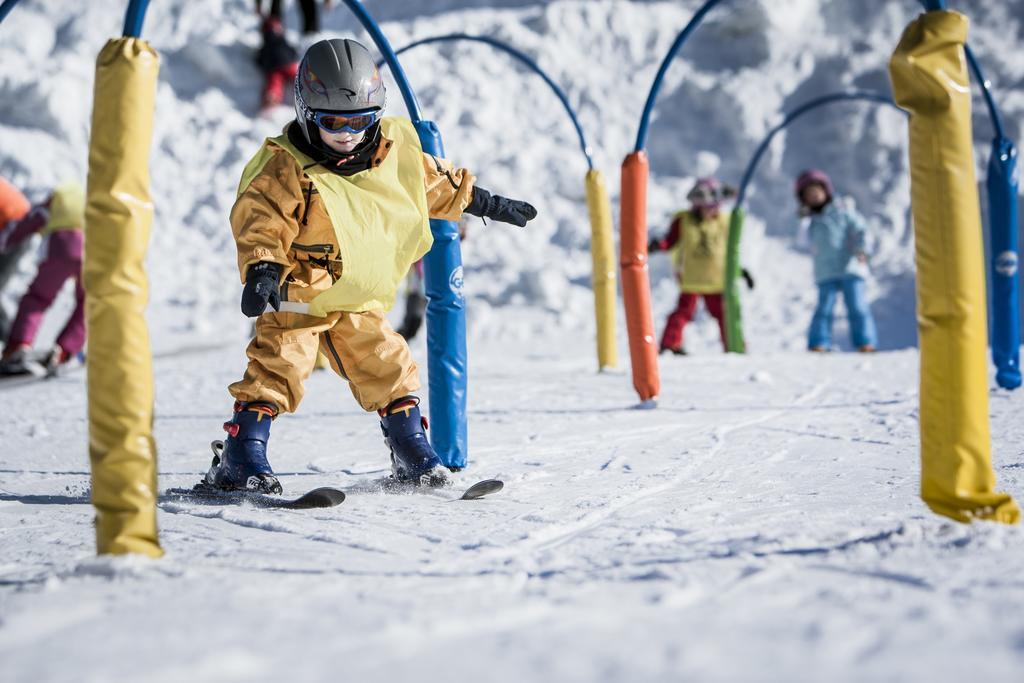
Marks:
<point>762,525</point>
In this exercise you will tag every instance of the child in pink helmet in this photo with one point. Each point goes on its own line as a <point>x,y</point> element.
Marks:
<point>697,241</point>
<point>838,236</point>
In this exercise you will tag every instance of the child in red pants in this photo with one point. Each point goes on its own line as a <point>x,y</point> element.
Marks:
<point>60,220</point>
<point>697,241</point>
<point>278,60</point>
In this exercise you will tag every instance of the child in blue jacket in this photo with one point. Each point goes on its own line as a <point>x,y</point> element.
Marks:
<point>837,237</point>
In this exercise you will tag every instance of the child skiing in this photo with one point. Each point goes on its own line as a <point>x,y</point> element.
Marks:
<point>697,239</point>
<point>60,220</point>
<point>837,237</point>
<point>278,60</point>
<point>332,213</point>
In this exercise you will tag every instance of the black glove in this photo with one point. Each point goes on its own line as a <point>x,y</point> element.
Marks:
<point>261,287</point>
<point>500,208</point>
<point>747,277</point>
<point>654,245</point>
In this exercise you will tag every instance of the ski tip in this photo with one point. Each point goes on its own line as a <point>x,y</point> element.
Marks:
<point>483,488</point>
<point>324,497</point>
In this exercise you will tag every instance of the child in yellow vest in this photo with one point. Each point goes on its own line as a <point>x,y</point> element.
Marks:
<point>332,214</point>
<point>697,241</point>
<point>60,220</point>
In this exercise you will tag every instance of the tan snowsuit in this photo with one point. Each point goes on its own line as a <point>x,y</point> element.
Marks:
<point>281,216</point>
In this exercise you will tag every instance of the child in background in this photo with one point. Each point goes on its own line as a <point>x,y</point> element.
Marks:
<point>697,240</point>
<point>310,13</point>
<point>60,220</point>
<point>278,60</point>
<point>837,236</point>
<point>13,207</point>
<point>332,214</point>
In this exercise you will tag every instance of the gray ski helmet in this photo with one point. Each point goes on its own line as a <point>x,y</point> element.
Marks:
<point>336,75</point>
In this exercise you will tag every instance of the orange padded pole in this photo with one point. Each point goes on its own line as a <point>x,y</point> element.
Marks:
<point>636,284</point>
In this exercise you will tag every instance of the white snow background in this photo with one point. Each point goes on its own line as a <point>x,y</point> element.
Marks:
<point>762,525</point>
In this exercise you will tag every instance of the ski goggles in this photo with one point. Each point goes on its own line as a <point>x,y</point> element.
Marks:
<point>349,122</point>
<point>703,195</point>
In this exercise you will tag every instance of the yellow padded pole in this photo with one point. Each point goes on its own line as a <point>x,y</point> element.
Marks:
<point>603,256</point>
<point>929,75</point>
<point>119,362</point>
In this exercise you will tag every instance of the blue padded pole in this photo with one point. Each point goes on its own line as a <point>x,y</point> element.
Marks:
<point>527,61</point>
<point>446,329</point>
<point>1002,189</point>
<point>134,17</point>
<point>446,310</point>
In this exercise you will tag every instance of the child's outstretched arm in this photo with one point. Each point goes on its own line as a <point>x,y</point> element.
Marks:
<point>668,241</point>
<point>452,192</point>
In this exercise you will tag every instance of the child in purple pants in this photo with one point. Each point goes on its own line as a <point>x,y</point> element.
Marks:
<point>59,220</point>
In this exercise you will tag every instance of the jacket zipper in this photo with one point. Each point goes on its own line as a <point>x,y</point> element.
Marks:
<point>309,198</point>
<point>314,248</point>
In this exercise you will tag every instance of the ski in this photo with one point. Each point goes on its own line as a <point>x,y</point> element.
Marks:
<point>482,488</point>
<point>323,497</point>
<point>478,490</point>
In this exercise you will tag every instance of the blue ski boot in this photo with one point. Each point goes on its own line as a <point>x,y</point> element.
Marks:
<point>243,465</point>
<point>413,460</point>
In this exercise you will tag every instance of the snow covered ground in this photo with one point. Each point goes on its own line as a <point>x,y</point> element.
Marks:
<point>762,524</point>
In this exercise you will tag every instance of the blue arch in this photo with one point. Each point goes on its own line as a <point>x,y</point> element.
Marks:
<point>6,8</point>
<point>384,45</point>
<point>698,17</point>
<point>133,17</point>
<point>527,61</point>
<point>857,95</point>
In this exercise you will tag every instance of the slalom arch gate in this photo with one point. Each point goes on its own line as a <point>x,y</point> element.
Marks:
<point>1002,188</point>
<point>598,203</point>
<point>957,479</point>
<point>735,342</point>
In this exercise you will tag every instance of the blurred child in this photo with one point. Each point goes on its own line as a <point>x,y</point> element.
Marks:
<point>310,13</point>
<point>60,220</point>
<point>332,214</point>
<point>415,302</point>
<point>697,240</point>
<point>13,207</point>
<point>278,60</point>
<point>837,236</point>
